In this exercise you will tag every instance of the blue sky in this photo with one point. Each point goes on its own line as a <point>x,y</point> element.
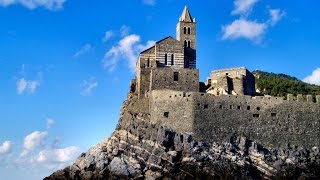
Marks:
<point>66,66</point>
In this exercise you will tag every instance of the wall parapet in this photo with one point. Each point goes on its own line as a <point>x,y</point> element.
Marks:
<point>304,98</point>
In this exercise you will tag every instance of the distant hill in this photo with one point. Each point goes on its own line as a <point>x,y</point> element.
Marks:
<point>281,85</point>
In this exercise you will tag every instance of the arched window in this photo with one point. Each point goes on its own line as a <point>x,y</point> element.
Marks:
<point>166,59</point>
<point>172,59</point>
<point>148,62</point>
<point>188,44</point>
<point>185,43</point>
<point>185,30</point>
<point>189,30</point>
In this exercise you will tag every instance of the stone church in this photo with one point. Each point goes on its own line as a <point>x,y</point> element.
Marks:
<point>171,64</point>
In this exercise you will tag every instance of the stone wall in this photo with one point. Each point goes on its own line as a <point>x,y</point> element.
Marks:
<point>164,78</point>
<point>172,109</point>
<point>235,80</point>
<point>269,120</point>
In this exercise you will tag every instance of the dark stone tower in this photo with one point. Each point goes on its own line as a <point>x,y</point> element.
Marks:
<point>186,34</point>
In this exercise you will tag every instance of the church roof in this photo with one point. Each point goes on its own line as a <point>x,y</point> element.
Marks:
<point>186,16</point>
<point>168,37</point>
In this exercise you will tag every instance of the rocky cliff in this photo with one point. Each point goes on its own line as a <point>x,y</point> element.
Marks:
<point>140,149</point>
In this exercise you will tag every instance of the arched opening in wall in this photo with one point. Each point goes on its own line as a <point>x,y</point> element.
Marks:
<point>148,62</point>
<point>258,108</point>
<point>189,30</point>
<point>166,59</point>
<point>206,106</point>
<point>172,59</point>
<point>166,114</point>
<point>184,30</point>
<point>181,138</point>
<point>188,44</point>
<point>248,107</point>
<point>185,43</point>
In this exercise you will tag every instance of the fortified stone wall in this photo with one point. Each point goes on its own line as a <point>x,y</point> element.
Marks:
<point>270,120</point>
<point>172,109</point>
<point>239,80</point>
<point>175,79</point>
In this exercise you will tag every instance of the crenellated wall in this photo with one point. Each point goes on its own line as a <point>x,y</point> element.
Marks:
<point>269,120</point>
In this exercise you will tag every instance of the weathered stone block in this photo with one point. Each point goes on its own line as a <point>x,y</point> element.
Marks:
<point>309,98</point>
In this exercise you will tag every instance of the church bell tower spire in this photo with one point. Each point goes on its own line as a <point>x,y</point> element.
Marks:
<point>186,34</point>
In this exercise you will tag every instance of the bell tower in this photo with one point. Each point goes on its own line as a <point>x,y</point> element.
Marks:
<point>186,34</point>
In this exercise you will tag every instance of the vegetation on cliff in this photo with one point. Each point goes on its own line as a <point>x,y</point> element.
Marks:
<point>281,85</point>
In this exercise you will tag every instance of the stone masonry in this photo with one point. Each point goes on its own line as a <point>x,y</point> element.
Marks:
<point>168,78</point>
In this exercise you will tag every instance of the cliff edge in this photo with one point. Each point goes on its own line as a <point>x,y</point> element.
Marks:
<point>141,149</point>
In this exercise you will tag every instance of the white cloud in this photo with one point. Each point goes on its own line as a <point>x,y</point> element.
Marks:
<point>245,28</point>
<point>83,50</point>
<point>29,86</point>
<point>275,16</point>
<point>33,140</point>
<point>127,48</point>
<point>124,30</point>
<point>243,7</point>
<point>88,86</point>
<point>53,158</point>
<point>5,147</point>
<point>107,36</point>
<point>50,122</point>
<point>242,28</point>
<point>149,2</point>
<point>32,4</point>
<point>314,78</point>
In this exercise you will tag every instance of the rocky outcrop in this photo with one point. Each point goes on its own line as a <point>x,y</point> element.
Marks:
<point>139,149</point>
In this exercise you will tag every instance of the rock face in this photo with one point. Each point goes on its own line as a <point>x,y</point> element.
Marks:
<point>140,149</point>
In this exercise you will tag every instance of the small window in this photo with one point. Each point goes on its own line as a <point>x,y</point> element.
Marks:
<point>238,107</point>
<point>230,106</point>
<point>181,138</point>
<point>273,114</point>
<point>227,74</point>
<point>256,115</point>
<point>175,76</point>
<point>184,30</point>
<point>220,106</point>
<point>185,43</point>
<point>148,62</point>
<point>189,30</point>
<point>166,114</point>
<point>248,107</point>
<point>189,44</point>
<point>206,106</point>
<point>258,108</point>
<point>172,59</point>
<point>166,59</point>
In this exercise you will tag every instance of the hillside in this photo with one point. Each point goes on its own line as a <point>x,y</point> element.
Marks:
<point>281,84</point>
